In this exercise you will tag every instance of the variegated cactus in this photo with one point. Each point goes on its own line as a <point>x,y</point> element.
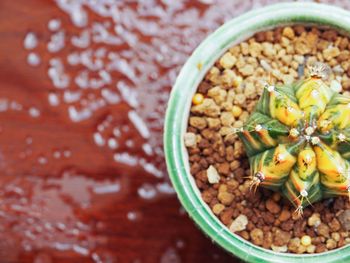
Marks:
<point>297,140</point>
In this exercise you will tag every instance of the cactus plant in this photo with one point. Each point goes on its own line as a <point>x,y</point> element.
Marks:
<point>297,140</point>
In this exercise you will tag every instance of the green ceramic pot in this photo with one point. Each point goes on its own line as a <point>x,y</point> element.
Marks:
<point>178,110</point>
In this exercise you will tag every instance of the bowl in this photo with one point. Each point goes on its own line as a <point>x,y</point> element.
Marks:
<point>178,110</point>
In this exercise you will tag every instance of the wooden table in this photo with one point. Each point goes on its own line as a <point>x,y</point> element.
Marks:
<point>161,231</point>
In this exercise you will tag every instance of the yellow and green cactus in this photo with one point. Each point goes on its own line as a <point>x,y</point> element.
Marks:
<point>297,140</point>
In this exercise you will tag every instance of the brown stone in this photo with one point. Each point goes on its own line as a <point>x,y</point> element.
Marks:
<point>344,219</point>
<point>272,206</point>
<point>257,236</point>
<point>281,238</point>
<point>285,215</point>
<point>323,230</point>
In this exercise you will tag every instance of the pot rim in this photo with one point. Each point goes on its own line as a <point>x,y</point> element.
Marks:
<point>179,104</point>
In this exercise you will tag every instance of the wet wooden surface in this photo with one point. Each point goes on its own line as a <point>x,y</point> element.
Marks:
<point>161,232</point>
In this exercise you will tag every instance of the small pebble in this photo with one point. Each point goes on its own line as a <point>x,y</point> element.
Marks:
<point>257,236</point>
<point>306,240</point>
<point>284,216</point>
<point>314,220</point>
<point>272,206</point>
<point>330,53</point>
<point>208,108</point>
<point>190,139</point>
<point>247,70</point>
<point>197,99</point>
<point>236,111</point>
<point>331,244</point>
<point>237,81</point>
<point>227,61</point>
<point>344,219</point>
<point>288,32</point>
<point>198,122</point>
<point>213,175</point>
<point>218,208</point>
<point>294,245</point>
<point>323,230</point>
<point>311,249</point>
<point>239,224</point>
<point>335,236</point>
<point>280,249</point>
<point>226,198</point>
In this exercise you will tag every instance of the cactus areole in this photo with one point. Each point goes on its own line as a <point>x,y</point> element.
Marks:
<point>297,140</point>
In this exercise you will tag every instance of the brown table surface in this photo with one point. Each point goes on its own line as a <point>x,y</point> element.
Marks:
<point>39,191</point>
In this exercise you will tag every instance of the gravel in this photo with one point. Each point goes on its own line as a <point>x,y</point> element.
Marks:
<point>218,162</point>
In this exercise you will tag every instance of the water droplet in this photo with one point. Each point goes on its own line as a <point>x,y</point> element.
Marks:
<point>29,140</point>
<point>170,255</point>
<point>128,94</point>
<point>107,189</point>
<point>56,154</point>
<point>15,106</point>
<point>81,41</point>
<point>33,59</point>
<point>180,243</point>
<point>129,143</point>
<point>42,160</point>
<point>140,125</point>
<point>165,188</point>
<point>147,148</point>
<point>67,153</point>
<point>71,97</point>
<point>98,139</point>
<point>34,112</point>
<point>73,59</point>
<point>79,115</point>
<point>53,99</point>
<point>57,42</point>
<point>54,24</point>
<point>151,168</point>
<point>132,216</point>
<point>125,158</point>
<point>110,97</point>
<point>30,41</point>
<point>147,191</point>
<point>57,75</point>
<point>81,250</point>
<point>112,143</point>
<point>116,132</point>
<point>61,226</point>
